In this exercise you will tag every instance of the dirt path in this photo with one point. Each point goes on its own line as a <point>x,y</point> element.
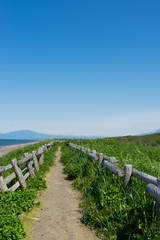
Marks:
<point>60,218</point>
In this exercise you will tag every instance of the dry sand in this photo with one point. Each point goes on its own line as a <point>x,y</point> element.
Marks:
<point>6,149</point>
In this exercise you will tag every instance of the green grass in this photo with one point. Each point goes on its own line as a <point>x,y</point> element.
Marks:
<point>145,140</point>
<point>143,158</point>
<point>106,207</point>
<point>14,203</point>
<point>18,153</point>
<point>115,214</point>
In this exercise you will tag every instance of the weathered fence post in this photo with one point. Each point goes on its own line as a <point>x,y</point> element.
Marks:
<point>36,165</point>
<point>85,150</point>
<point>3,186</point>
<point>41,159</point>
<point>30,169</point>
<point>46,149</point>
<point>95,154</point>
<point>29,166</point>
<point>127,177</point>
<point>113,160</point>
<point>19,173</point>
<point>100,157</point>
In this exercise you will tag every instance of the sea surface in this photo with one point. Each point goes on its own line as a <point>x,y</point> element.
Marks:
<point>6,142</point>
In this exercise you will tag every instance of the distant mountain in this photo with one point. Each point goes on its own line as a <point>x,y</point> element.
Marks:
<point>31,135</point>
<point>157,131</point>
<point>24,134</point>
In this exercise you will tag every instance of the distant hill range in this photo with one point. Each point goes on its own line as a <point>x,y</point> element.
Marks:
<point>157,131</point>
<point>31,135</point>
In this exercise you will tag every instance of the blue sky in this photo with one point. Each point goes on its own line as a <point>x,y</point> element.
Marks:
<point>80,67</point>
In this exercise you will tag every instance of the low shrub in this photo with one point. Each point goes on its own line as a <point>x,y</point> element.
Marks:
<point>105,206</point>
<point>12,204</point>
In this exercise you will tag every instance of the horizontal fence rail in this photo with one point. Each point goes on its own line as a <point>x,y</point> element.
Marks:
<point>153,187</point>
<point>31,164</point>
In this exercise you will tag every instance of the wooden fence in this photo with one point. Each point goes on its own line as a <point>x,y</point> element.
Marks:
<point>30,163</point>
<point>153,187</point>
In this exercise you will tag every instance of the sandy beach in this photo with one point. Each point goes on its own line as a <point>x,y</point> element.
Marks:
<point>6,149</point>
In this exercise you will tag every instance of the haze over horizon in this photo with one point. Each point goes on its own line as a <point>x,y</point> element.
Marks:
<point>32,135</point>
<point>80,68</point>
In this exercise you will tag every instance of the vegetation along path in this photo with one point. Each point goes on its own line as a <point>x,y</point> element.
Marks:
<point>60,218</point>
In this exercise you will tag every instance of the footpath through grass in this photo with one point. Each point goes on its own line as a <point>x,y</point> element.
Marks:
<point>12,204</point>
<point>106,207</point>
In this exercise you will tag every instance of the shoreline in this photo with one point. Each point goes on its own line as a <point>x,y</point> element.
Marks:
<point>6,149</point>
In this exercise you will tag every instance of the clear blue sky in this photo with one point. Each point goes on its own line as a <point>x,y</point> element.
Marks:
<point>80,67</point>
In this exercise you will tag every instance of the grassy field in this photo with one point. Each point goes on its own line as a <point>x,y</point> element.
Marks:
<point>115,214</point>
<point>143,158</point>
<point>6,159</point>
<point>145,140</point>
<point>12,204</point>
<point>106,207</point>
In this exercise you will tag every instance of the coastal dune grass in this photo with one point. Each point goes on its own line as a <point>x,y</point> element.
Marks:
<point>143,158</point>
<point>106,206</point>
<point>12,204</point>
<point>144,140</point>
<point>18,153</point>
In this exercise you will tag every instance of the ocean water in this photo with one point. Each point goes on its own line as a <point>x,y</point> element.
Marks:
<point>6,142</point>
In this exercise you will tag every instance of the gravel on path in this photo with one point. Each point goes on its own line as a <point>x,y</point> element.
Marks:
<point>60,217</point>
